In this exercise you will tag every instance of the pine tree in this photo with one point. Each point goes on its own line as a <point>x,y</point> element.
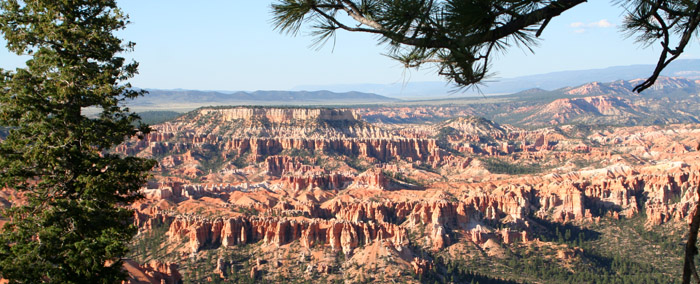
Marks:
<point>73,226</point>
<point>460,37</point>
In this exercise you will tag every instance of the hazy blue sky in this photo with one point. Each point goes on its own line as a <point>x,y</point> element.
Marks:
<point>230,45</point>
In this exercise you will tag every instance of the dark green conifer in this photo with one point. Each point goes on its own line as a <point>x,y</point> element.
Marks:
<point>73,227</point>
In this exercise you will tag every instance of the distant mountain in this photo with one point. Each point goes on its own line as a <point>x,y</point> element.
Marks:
<point>156,98</point>
<point>687,68</point>
<point>597,88</point>
<point>670,100</point>
<point>587,110</point>
<point>664,87</point>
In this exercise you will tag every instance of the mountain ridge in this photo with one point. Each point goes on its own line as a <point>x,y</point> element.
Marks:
<point>688,68</point>
<point>196,98</point>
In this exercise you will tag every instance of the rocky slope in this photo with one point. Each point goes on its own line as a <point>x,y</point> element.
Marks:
<point>154,272</point>
<point>269,193</point>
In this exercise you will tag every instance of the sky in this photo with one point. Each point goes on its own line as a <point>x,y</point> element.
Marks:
<point>231,45</point>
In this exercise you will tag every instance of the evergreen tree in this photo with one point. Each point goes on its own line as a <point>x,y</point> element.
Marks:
<point>72,226</point>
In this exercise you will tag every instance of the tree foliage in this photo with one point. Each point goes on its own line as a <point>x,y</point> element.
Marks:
<point>460,36</point>
<point>71,225</point>
<point>662,21</point>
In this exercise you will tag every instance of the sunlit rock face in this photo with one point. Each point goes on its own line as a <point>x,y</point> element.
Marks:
<point>153,272</point>
<point>322,189</point>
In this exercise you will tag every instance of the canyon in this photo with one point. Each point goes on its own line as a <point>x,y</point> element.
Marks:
<point>264,193</point>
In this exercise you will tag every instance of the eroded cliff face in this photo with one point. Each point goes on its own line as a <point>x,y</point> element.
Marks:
<point>153,272</point>
<point>352,195</point>
<point>338,235</point>
<point>281,115</point>
<point>260,148</point>
<point>345,225</point>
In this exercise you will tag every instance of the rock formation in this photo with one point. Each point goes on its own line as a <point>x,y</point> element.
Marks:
<point>153,272</point>
<point>326,189</point>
